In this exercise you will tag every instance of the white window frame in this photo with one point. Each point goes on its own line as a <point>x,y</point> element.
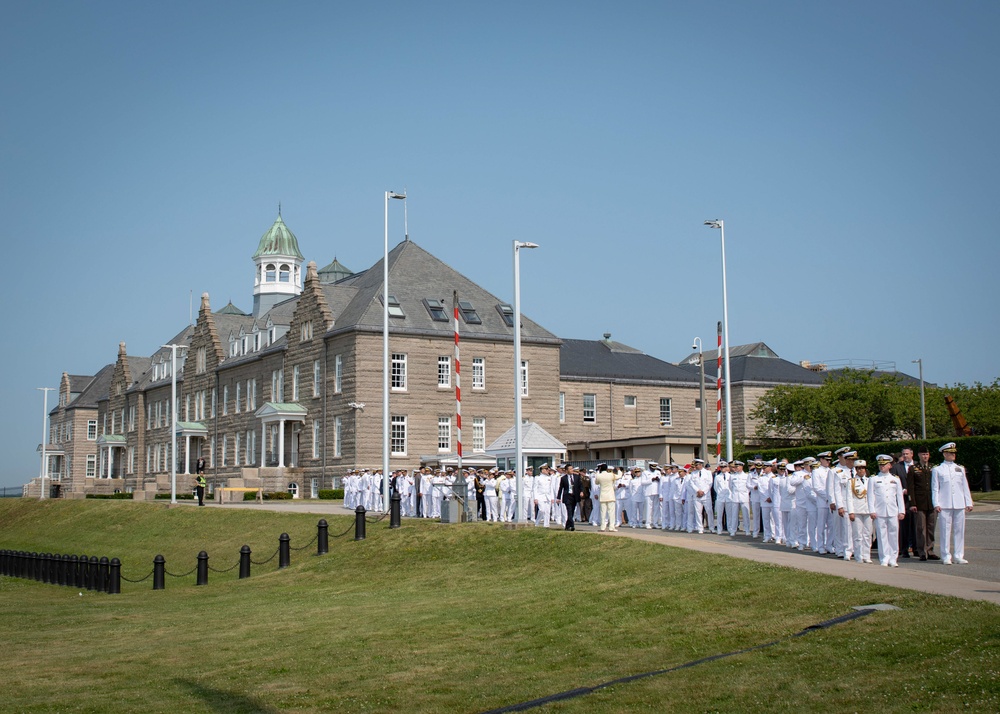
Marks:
<point>590,414</point>
<point>317,376</point>
<point>398,371</point>
<point>92,465</point>
<point>562,407</point>
<point>479,373</point>
<point>296,374</point>
<point>668,402</point>
<point>478,434</point>
<point>92,429</point>
<point>338,436</point>
<point>397,434</point>
<point>524,378</point>
<point>316,434</point>
<point>444,372</point>
<point>444,434</point>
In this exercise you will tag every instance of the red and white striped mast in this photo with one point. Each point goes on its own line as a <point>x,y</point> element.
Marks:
<point>718,399</point>
<point>458,403</point>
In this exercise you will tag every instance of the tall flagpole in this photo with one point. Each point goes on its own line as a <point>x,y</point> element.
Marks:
<point>458,411</point>
<point>718,399</point>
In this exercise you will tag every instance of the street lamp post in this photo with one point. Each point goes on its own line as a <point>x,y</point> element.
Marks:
<point>518,452</point>
<point>696,345</point>
<point>385,351</point>
<point>923,412</point>
<point>173,420</point>
<point>45,415</point>
<point>718,223</point>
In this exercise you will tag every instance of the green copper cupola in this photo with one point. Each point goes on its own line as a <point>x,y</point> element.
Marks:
<point>278,267</point>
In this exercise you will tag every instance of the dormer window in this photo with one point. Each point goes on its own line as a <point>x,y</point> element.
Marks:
<point>507,313</point>
<point>469,313</point>
<point>395,310</point>
<point>256,341</point>
<point>234,347</point>
<point>436,310</point>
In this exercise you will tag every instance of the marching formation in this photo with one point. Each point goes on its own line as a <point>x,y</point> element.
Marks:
<point>829,504</point>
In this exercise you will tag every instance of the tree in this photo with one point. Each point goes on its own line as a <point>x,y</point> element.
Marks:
<point>851,406</point>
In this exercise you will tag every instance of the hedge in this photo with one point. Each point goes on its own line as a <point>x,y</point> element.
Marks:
<point>115,496</point>
<point>331,494</point>
<point>974,452</point>
<point>180,496</point>
<point>268,496</point>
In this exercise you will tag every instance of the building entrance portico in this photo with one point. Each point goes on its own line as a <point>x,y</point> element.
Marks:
<point>273,417</point>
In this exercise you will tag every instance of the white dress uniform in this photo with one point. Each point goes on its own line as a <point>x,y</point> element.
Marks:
<point>824,535</point>
<point>490,492</point>
<point>753,485</point>
<point>789,497</point>
<point>861,524</point>
<point>837,485</point>
<point>541,496</point>
<point>621,495</point>
<point>739,502</point>
<point>766,485</point>
<point>700,480</point>
<point>595,498</point>
<point>721,486</point>
<point>885,501</point>
<point>950,495</point>
<point>637,499</point>
<point>806,507</point>
<point>651,496</point>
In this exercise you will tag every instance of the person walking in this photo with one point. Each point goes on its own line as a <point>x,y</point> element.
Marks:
<point>569,494</point>
<point>200,488</point>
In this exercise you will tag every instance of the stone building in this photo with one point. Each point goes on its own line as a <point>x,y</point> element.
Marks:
<point>290,396</point>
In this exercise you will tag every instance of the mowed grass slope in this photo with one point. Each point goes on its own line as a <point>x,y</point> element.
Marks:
<point>435,618</point>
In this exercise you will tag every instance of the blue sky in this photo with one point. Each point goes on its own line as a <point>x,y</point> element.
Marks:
<point>850,147</point>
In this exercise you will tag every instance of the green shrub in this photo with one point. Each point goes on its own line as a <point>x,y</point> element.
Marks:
<point>115,496</point>
<point>180,496</point>
<point>268,496</point>
<point>973,453</point>
<point>331,494</point>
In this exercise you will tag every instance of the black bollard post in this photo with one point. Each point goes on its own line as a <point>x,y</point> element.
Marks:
<point>244,562</point>
<point>394,510</point>
<point>322,537</point>
<point>359,523</point>
<point>102,574</point>
<point>81,571</point>
<point>987,480</point>
<point>66,574</point>
<point>115,577</point>
<point>159,566</point>
<point>202,569</point>
<point>72,568</point>
<point>284,555</point>
<point>92,570</point>
<point>3,562</point>
<point>45,559</point>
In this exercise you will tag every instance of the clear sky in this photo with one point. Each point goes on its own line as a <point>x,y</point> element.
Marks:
<point>850,147</point>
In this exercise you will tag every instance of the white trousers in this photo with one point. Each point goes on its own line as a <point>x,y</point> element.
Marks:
<point>491,507</point>
<point>607,515</point>
<point>767,515</point>
<point>951,525</point>
<point>861,536</point>
<point>543,512</point>
<point>887,529</point>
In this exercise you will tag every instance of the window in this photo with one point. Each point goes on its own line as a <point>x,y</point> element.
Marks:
<point>270,272</point>
<point>307,331</point>
<point>469,313</point>
<point>562,407</point>
<point>524,378</point>
<point>444,371</point>
<point>338,373</point>
<point>236,407</point>
<point>338,441</point>
<point>187,408</point>
<point>234,347</point>
<point>131,459</point>
<point>479,373</point>
<point>224,450</point>
<point>507,313</point>
<point>200,360</point>
<point>316,432</point>
<point>211,454</point>
<point>398,372</point>
<point>395,310</point>
<point>225,399</point>
<point>630,401</point>
<point>436,310</point>
<point>589,408</point>
<point>665,416</point>
<point>479,433</point>
<point>295,383</point>
<point>293,489</point>
<point>697,405</point>
<point>251,456</point>
<point>92,429</point>
<point>131,417</point>
<point>92,465</point>
<point>284,272</point>
<point>317,377</point>
<point>277,385</point>
<point>215,397</point>
<point>444,433</point>
<point>397,435</point>
<point>256,341</point>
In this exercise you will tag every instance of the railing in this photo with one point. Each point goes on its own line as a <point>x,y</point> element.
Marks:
<point>11,491</point>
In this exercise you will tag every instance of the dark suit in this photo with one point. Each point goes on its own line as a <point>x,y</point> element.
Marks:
<point>925,517</point>
<point>907,538</point>
<point>569,493</point>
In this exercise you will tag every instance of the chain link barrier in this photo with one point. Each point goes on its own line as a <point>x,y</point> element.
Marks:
<point>303,547</point>
<point>184,575</point>
<point>140,580</point>
<point>264,562</point>
<point>226,570</point>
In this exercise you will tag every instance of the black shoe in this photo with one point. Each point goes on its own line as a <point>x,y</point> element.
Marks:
<point>923,558</point>
<point>906,555</point>
<point>931,556</point>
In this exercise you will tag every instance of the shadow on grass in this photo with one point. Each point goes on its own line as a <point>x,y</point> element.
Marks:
<point>222,701</point>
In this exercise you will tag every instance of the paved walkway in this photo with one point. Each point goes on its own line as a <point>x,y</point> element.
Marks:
<point>929,577</point>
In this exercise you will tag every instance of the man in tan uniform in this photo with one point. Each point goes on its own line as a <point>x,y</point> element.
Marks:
<point>605,480</point>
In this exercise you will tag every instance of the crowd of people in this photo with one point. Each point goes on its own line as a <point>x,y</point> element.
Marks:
<point>829,504</point>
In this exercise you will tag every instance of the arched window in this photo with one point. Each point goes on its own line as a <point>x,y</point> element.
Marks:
<point>283,273</point>
<point>293,488</point>
<point>269,273</point>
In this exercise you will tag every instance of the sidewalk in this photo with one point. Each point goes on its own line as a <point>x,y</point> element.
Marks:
<point>930,577</point>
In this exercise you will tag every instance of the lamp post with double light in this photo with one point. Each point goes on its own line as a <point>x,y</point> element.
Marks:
<point>718,223</point>
<point>45,415</point>
<point>385,352</point>
<point>696,345</point>
<point>518,450</point>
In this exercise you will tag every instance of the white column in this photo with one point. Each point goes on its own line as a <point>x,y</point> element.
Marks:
<point>281,443</point>
<point>111,461</point>
<point>187,454</point>
<point>263,444</point>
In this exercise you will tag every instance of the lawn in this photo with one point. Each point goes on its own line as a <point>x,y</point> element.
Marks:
<point>436,618</point>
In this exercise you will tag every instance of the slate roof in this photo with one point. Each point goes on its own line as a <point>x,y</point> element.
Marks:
<point>230,309</point>
<point>333,272</point>
<point>756,349</point>
<point>761,370</point>
<point>99,388</point>
<point>79,382</point>
<point>605,359</point>
<point>533,439</point>
<point>415,274</point>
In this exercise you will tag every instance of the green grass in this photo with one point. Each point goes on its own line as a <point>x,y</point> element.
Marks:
<point>435,618</point>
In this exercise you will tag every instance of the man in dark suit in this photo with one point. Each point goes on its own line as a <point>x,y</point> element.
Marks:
<point>906,535</point>
<point>570,492</point>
